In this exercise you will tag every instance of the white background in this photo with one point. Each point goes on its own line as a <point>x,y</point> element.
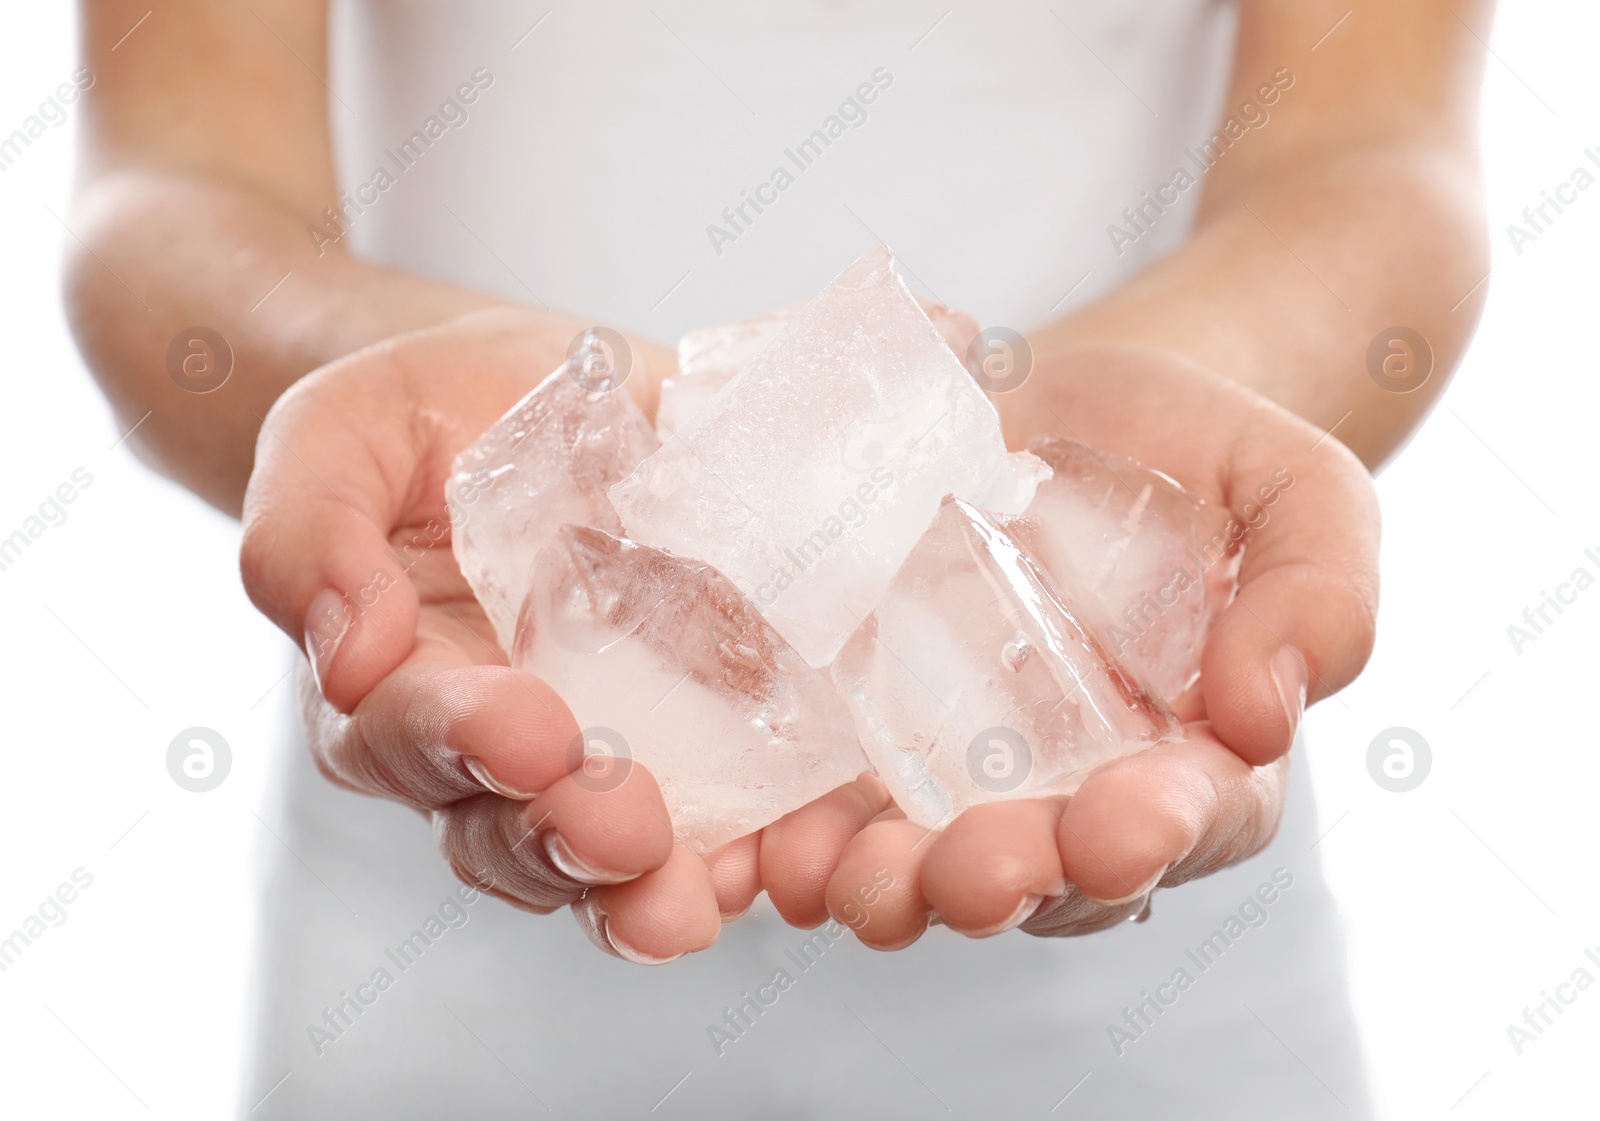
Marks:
<point>1465,898</point>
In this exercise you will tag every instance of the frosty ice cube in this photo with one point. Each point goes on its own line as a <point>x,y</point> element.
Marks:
<point>547,461</point>
<point>665,652</point>
<point>708,358</point>
<point>810,476</point>
<point>972,682</point>
<point>1146,566</point>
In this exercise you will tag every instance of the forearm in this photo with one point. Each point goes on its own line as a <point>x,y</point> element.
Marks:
<point>1286,282</point>
<point>163,251</point>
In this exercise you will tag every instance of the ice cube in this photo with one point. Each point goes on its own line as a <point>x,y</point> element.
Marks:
<point>725,349</point>
<point>549,460</point>
<point>708,358</point>
<point>683,396</point>
<point>1145,565</point>
<point>665,653</point>
<point>810,476</point>
<point>972,682</point>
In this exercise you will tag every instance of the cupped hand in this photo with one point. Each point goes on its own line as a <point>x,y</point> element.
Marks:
<point>406,695</point>
<point>1300,628</point>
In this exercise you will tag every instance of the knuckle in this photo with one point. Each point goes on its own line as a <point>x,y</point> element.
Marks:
<point>464,838</point>
<point>470,836</point>
<point>1075,914</point>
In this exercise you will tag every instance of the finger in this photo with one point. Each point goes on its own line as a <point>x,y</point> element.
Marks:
<point>876,890</point>
<point>656,918</point>
<point>736,875</point>
<point>348,488</point>
<point>602,829</point>
<point>1166,815</point>
<point>324,498</point>
<point>800,851</point>
<point>486,842</point>
<point>1073,914</point>
<point>547,852</point>
<point>437,730</point>
<point>994,865</point>
<point>1302,625</point>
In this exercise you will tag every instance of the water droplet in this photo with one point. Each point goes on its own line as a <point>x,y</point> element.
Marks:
<point>1015,654</point>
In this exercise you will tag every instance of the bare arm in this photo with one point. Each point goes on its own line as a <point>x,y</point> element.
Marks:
<point>1354,209</point>
<point>205,159</point>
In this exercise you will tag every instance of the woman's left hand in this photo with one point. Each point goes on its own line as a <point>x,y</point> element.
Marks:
<point>1300,628</point>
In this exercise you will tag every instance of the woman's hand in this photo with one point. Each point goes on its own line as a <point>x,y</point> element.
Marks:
<point>1300,629</point>
<point>347,548</point>
<point>407,696</point>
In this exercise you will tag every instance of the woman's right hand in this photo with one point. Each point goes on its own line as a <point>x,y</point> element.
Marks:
<point>406,694</point>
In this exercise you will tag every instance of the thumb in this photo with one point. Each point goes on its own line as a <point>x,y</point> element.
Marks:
<point>334,464</point>
<point>1302,625</point>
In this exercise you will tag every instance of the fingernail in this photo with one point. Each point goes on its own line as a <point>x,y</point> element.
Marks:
<point>1024,911</point>
<point>735,915</point>
<point>591,916</point>
<point>570,865</point>
<point>1143,889</point>
<point>327,622</point>
<point>628,952</point>
<point>1289,678</point>
<point>494,785</point>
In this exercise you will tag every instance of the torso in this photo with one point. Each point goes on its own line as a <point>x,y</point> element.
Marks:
<point>597,150</point>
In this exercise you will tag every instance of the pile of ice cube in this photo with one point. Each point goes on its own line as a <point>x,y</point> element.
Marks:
<point>823,561</point>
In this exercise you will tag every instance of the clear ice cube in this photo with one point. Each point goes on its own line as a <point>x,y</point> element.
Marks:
<point>549,460</point>
<point>1145,565</point>
<point>809,477</point>
<point>665,652</point>
<point>973,682</point>
<point>710,357</point>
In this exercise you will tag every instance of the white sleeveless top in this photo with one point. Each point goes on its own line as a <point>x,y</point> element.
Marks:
<point>991,150</point>
<point>602,159</point>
